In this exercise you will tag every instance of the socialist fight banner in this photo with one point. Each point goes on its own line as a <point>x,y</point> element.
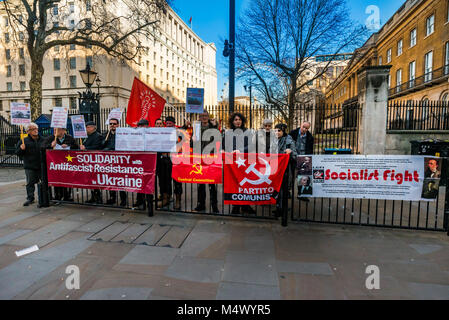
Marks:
<point>197,168</point>
<point>107,170</point>
<point>388,177</point>
<point>251,178</point>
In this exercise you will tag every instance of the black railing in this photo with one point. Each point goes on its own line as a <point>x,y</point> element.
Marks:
<point>427,79</point>
<point>418,115</point>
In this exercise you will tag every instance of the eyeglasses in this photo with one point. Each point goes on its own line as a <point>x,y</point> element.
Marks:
<point>113,124</point>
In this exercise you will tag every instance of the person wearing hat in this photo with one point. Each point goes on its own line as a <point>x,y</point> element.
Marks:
<point>109,145</point>
<point>62,140</point>
<point>93,141</point>
<point>143,199</point>
<point>164,174</point>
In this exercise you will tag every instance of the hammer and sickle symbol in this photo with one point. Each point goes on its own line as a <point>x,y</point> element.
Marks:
<point>262,177</point>
<point>197,170</point>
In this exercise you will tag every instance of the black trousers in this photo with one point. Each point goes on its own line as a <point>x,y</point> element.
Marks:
<point>202,194</point>
<point>61,192</point>
<point>113,195</point>
<point>165,179</point>
<point>32,177</point>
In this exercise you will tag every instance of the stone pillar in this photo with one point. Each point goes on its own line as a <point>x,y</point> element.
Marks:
<point>373,100</point>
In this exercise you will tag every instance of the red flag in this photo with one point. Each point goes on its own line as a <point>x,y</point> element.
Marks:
<point>195,168</point>
<point>253,178</point>
<point>190,20</point>
<point>144,103</point>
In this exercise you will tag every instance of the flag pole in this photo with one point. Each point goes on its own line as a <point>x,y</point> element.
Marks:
<point>168,104</point>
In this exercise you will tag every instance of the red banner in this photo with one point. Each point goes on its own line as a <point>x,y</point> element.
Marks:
<point>143,103</point>
<point>107,170</point>
<point>251,178</point>
<point>197,168</point>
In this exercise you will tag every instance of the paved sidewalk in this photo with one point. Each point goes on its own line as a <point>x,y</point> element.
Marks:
<point>123,254</point>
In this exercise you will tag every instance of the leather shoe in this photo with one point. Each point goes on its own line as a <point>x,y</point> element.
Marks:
<point>248,210</point>
<point>200,208</point>
<point>110,201</point>
<point>27,203</point>
<point>215,209</point>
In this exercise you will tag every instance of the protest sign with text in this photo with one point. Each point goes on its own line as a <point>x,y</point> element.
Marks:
<point>20,113</point>
<point>59,117</point>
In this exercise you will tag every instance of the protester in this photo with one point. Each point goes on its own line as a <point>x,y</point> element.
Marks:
<point>238,121</point>
<point>63,140</point>
<point>265,138</point>
<point>164,175</point>
<point>286,145</point>
<point>201,206</point>
<point>93,141</point>
<point>303,143</point>
<point>142,199</point>
<point>29,152</point>
<point>109,145</point>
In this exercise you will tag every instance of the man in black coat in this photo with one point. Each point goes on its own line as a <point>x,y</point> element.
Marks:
<point>29,152</point>
<point>109,145</point>
<point>94,141</point>
<point>62,140</point>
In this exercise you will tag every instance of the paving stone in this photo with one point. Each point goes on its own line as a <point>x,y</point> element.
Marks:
<point>263,243</point>
<point>251,268</point>
<point>122,293</point>
<point>152,235</point>
<point>429,291</point>
<point>183,289</point>
<point>198,242</point>
<point>174,237</point>
<point>243,291</point>
<point>425,248</point>
<point>46,234</point>
<point>131,233</point>
<point>304,267</point>
<point>64,251</point>
<point>295,286</point>
<point>17,218</point>
<point>13,234</point>
<point>110,231</point>
<point>195,269</point>
<point>96,225</point>
<point>147,255</point>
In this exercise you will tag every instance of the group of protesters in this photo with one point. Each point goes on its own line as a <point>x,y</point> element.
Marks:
<point>266,141</point>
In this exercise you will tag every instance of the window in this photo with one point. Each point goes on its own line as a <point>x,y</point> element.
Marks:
<point>21,36</point>
<point>72,103</point>
<point>22,86</point>
<point>6,21</point>
<point>56,48</point>
<point>7,37</point>
<point>88,24</point>
<point>398,80</point>
<point>72,7</point>
<point>1,105</point>
<point>389,80</point>
<point>72,81</point>
<point>20,19</point>
<point>58,102</point>
<point>388,55</point>
<point>411,74</point>
<point>89,61</point>
<point>72,47</point>
<point>72,24</point>
<point>55,10</point>
<point>88,5</point>
<point>428,64</point>
<point>56,64</point>
<point>21,53</point>
<point>73,63</point>
<point>446,59</point>
<point>430,25</point>
<point>399,47</point>
<point>57,81</point>
<point>21,69</point>
<point>56,25</point>
<point>8,86</point>
<point>8,54</point>
<point>8,71</point>
<point>412,38</point>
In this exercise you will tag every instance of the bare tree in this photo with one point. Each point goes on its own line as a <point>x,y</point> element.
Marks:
<point>277,39</point>
<point>118,28</point>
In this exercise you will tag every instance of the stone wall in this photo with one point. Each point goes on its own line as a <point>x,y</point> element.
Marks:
<point>398,142</point>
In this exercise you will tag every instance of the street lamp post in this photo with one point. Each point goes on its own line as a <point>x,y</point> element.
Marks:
<point>250,89</point>
<point>229,51</point>
<point>89,102</point>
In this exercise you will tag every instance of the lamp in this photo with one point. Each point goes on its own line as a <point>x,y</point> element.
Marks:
<point>88,76</point>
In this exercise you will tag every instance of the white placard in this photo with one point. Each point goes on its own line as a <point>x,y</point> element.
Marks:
<point>388,177</point>
<point>59,117</point>
<point>60,147</point>
<point>20,113</point>
<point>115,113</point>
<point>129,139</point>
<point>27,251</point>
<point>197,130</point>
<point>160,139</point>
<point>78,126</point>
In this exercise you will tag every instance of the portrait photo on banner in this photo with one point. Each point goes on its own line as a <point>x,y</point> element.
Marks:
<point>432,167</point>
<point>305,186</point>
<point>304,165</point>
<point>430,188</point>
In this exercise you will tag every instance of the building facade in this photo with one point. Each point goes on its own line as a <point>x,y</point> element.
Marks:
<point>176,58</point>
<point>415,42</point>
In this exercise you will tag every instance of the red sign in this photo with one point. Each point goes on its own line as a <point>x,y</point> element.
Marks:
<point>197,168</point>
<point>251,178</point>
<point>107,170</point>
<point>143,103</point>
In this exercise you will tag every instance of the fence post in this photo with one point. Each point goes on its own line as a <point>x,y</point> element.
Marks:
<point>44,197</point>
<point>373,99</point>
<point>284,200</point>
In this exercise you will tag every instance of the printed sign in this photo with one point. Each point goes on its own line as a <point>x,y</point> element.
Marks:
<point>115,113</point>
<point>107,170</point>
<point>59,117</point>
<point>129,139</point>
<point>160,139</point>
<point>388,177</point>
<point>195,100</point>
<point>197,168</point>
<point>78,126</point>
<point>20,113</point>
